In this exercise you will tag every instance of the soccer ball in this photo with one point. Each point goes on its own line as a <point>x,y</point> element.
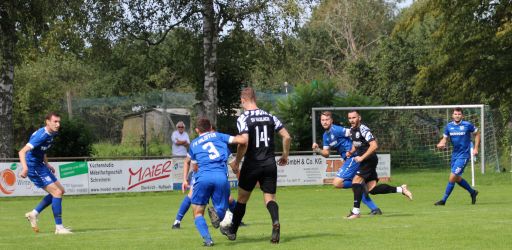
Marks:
<point>226,222</point>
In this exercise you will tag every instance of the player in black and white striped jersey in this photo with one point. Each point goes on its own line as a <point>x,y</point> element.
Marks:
<point>259,164</point>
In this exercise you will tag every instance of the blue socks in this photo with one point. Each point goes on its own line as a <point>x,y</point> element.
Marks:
<point>463,183</point>
<point>47,200</point>
<point>448,191</point>
<point>185,204</point>
<point>202,227</point>
<point>232,206</point>
<point>57,210</point>
<point>369,202</point>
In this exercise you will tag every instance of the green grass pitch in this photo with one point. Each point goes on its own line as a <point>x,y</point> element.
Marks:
<point>311,218</point>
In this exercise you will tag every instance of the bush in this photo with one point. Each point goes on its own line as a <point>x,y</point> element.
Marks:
<point>74,139</point>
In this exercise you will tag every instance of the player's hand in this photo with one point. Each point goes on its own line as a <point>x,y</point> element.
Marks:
<point>51,168</point>
<point>475,152</point>
<point>184,186</point>
<point>235,166</point>
<point>441,146</point>
<point>283,160</point>
<point>23,173</point>
<point>358,159</point>
<point>348,154</point>
<point>314,146</point>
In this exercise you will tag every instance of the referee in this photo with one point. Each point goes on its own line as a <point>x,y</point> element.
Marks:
<point>259,164</point>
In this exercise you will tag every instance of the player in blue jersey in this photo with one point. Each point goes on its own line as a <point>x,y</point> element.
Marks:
<point>460,133</point>
<point>35,165</point>
<point>210,152</point>
<point>338,137</point>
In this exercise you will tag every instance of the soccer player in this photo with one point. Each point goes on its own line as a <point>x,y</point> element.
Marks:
<point>259,165</point>
<point>459,132</point>
<point>35,165</point>
<point>365,146</point>
<point>210,152</point>
<point>338,137</point>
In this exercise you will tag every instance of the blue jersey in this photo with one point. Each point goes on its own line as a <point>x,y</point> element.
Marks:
<point>338,137</point>
<point>210,152</point>
<point>39,141</point>
<point>460,136</point>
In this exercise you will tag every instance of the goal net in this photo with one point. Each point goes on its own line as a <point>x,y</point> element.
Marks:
<point>410,133</point>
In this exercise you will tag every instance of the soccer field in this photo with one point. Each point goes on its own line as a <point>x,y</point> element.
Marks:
<point>311,218</point>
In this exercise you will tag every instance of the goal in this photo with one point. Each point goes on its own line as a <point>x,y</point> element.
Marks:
<point>410,133</point>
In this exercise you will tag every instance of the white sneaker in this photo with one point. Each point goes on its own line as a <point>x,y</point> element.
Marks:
<point>32,218</point>
<point>63,230</point>
<point>406,192</point>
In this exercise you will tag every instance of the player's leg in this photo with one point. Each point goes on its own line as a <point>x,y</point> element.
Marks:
<point>202,192</point>
<point>268,184</point>
<point>57,191</point>
<point>220,199</point>
<point>45,202</point>
<point>388,189</point>
<point>456,168</point>
<point>246,183</point>
<point>185,205</point>
<point>463,183</point>
<point>358,189</point>
<point>345,175</point>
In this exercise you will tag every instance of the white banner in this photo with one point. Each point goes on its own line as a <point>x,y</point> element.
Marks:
<point>163,175</point>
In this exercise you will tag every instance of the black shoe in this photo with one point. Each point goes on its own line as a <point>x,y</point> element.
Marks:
<point>242,224</point>
<point>227,231</point>
<point>208,243</point>
<point>214,217</point>
<point>276,233</point>
<point>440,203</point>
<point>176,226</point>
<point>473,197</point>
<point>376,211</point>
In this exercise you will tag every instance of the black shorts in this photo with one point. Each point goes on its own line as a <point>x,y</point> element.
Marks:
<point>368,169</point>
<point>266,175</point>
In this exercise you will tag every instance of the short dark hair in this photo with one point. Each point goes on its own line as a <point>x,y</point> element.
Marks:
<point>458,109</point>
<point>354,111</point>
<point>326,113</point>
<point>50,115</point>
<point>203,125</point>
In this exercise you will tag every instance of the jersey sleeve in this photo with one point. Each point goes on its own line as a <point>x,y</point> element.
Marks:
<point>472,128</point>
<point>226,138</point>
<point>368,136</point>
<point>446,131</point>
<point>278,125</point>
<point>325,141</point>
<point>241,123</point>
<point>37,140</point>
<point>340,132</point>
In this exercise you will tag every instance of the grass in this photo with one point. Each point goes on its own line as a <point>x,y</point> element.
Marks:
<point>311,218</point>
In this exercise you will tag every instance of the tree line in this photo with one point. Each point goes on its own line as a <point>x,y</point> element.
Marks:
<point>433,52</point>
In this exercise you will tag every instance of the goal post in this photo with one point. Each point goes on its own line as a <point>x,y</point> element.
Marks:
<point>410,133</point>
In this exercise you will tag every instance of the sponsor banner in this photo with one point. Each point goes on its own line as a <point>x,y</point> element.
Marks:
<point>332,165</point>
<point>301,170</point>
<point>11,184</point>
<point>130,176</point>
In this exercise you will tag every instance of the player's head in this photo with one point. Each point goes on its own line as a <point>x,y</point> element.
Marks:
<point>52,121</point>
<point>203,125</point>
<point>247,96</point>
<point>326,119</point>
<point>354,118</point>
<point>181,126</point>
<point>457,114</point>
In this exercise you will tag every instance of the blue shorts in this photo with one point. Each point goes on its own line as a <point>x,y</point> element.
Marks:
<point>40,175</point>
<point>348,170</point>
<point>458,166</point>
<point>214,186</point>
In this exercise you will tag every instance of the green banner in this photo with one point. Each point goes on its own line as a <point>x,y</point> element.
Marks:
<point>73,169</point>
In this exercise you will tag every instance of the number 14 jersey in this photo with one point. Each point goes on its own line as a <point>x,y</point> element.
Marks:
<point>260,126</point>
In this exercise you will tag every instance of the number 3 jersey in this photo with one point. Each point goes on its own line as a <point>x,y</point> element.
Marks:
<point>260,126</point>
<point>210,152</point>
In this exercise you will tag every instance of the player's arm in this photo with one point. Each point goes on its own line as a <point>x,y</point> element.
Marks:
<point>22,154</point>
<point>45,160</point>
<point>286,146</point>
<point>351,151</point>
<point>324,152</point>
<point>240,139</point>
<point>240,152</point>
<point>372,149</point>
<point>442,143</point>
<point>477,142</point>
<point>186,167</point>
